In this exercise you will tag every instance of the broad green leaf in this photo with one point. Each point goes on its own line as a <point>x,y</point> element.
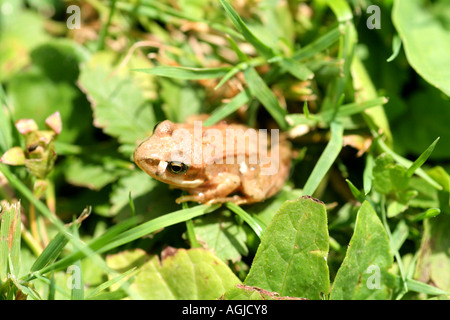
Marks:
<point>291,259</point>
<point>176,93</point>
<point>222,235</point>
<point>21,31</point>
<point>434,255</point>
<point>119,105</point>
<point>413,137</point>
<point>92,174</point>
<point>388,176</point>
<point>184,274</point>
<point>364,271</point>
<point>265,211</point>
<point>423,28</point>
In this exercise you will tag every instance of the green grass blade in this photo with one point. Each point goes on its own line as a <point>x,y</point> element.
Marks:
<point>407,163</point>
<point>267,98</point>
<point>367,174</point>
<point>93,245</point>
<point>262,48</point>
<point>105,27</point>
<point>417,286</point>
<point>56,245</point>
<point>421,159</point>
<point>326,159</point>
<point>352,109</point>
<point>107,284</point>
<point>77,292</point>
<point>186,73</point>
<point>297,69</point>
<point>396,45</point>
<point>228,108</point>
<point>257,226</point>
<point>51,252</point>
<point>355,191</point>
<point>159,11</point>
<point>158,223</point>
<point>116,236</point>
<point>10,226</point>
<point>318,45</point>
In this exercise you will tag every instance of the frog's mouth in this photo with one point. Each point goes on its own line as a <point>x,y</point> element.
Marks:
<point>158,170</point>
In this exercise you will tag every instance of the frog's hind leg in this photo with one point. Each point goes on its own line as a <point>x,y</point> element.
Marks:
<point>220,188</point>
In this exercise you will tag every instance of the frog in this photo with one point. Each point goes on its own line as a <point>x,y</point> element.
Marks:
<point>212,165</point>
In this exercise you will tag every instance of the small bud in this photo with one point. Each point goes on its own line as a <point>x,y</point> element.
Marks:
<point>25,126</point>
<point>54,122</point>
<point>13,157</point>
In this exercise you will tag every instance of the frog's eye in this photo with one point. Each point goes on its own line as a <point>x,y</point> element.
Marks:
<point>177,167</point>
<point>156,125</point>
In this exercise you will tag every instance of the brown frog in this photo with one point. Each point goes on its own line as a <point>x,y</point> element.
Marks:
<point>216,164</point>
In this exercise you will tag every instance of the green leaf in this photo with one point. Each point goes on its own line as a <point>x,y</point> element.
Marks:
<point>90,173</point>
<point>364,271</point>
<point>318,45</point>
<point>96,292</point>
<point>352,109</point>
<point>222,235</point>
<point>423,28</point>
<point>421,159</point>
<point>228,108</point>
<point>341,9</point>
<point>388,176</point>
<point>326,159</point>
<point>256,225</point>
<point>119,105</point>
<point>262,92</point>
<point>262,48</point>
<point>184,274</point>
<point>396,45</point>
<point>297,69</point>
<point>186,73</point>
<point>434,256</point>
<point>179,92</point>
<point>291,259</point>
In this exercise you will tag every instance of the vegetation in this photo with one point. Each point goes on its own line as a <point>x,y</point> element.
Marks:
<point>361,88</point>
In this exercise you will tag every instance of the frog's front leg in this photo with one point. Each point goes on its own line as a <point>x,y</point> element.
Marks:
<point>216,191</point>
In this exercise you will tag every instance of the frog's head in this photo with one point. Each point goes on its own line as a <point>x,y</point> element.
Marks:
<point>167,156</point>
